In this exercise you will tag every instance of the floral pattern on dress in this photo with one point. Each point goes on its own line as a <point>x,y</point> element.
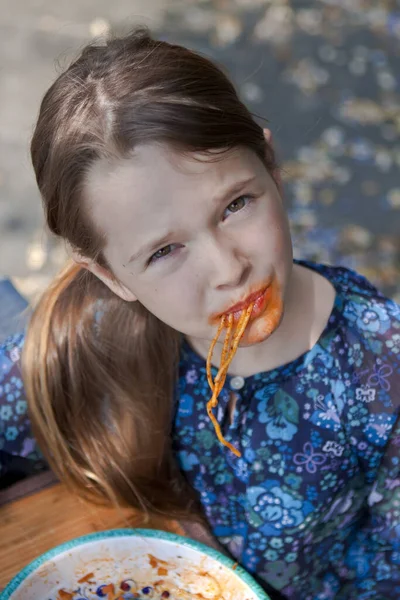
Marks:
<point>19,453</point>
<point>312,508</point>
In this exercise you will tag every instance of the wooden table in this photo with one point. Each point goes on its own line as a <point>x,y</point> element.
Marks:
<point>36,523</point>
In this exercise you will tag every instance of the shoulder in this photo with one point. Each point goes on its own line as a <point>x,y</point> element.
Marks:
<point>19,453</point>
<point>345,280</point>
<point>10,368</point>
<point>11,384</point>
<point>364,309</point>
<point>10,352</point>
<point>367,310</point>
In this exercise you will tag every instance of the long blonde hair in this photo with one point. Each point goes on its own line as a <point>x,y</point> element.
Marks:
<point>100,372</point>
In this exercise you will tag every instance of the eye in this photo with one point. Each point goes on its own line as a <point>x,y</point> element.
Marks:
<point>162,253</point>
<point>237,205</point>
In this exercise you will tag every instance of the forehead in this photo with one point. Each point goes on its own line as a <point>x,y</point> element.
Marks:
<point>157,187</point>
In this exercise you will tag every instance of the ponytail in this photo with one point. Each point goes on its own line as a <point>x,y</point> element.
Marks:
<point>99,374</point>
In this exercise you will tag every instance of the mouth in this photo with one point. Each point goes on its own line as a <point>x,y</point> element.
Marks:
<point>251,299</point>
<point>259,299</point>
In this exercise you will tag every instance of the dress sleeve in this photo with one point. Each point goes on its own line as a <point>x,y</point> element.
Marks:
<point>372,419</point>
<point>19,453</point>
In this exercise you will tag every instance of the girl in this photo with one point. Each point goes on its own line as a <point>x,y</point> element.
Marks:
<point>168,195</point>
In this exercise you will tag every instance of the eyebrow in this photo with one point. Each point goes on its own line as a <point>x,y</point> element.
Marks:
<point>155,245</point>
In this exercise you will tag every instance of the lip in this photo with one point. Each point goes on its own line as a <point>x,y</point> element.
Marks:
<point>259,299</point>
<point>245,303</point>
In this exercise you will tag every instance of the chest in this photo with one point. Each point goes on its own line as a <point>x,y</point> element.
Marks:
<point>298,469</point>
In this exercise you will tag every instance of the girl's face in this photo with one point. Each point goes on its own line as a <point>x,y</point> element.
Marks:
<point>190,239</point>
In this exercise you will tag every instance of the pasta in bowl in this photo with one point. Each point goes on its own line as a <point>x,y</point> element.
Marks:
<point>127,564</point>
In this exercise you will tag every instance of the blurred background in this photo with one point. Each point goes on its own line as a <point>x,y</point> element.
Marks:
<point>325,73</point>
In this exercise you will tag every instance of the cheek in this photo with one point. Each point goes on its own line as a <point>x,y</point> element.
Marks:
<point>278,230</point>
<point>176,300</point>
<point>268,236</point>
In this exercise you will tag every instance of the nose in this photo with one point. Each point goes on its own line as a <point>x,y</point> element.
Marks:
<point>228,267</point>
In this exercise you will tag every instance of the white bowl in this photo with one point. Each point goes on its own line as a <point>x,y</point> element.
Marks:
<point>149,562</point>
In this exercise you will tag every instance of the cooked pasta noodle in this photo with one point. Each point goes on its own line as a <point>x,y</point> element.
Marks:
<point>229,348</point>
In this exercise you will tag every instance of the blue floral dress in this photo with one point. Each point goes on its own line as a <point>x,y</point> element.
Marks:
<point>312,508</point>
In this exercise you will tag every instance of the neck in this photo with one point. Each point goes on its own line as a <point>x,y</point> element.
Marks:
<point>308,303</point>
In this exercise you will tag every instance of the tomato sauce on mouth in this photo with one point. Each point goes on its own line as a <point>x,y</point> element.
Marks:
<point>265,316</point>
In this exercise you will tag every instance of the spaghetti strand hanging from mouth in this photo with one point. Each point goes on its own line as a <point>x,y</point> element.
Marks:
<point>230,346</point>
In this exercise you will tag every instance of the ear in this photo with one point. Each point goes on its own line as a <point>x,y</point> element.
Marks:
<point>105,276</point>
<point>276,174</point>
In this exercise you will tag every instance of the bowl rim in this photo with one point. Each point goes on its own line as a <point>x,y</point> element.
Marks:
<point>20,577</point>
